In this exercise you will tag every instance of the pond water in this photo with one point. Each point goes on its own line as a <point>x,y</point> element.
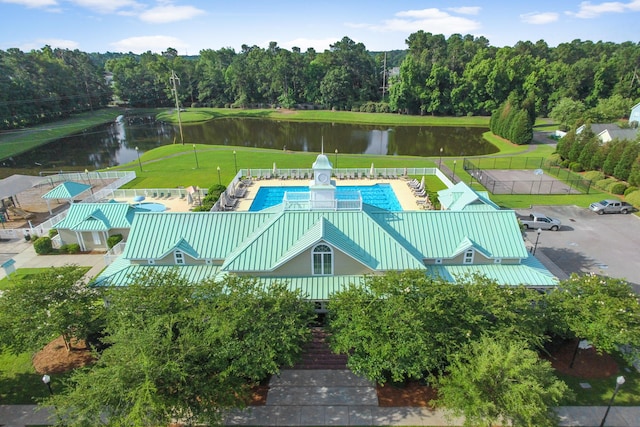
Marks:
<point>114,143</point>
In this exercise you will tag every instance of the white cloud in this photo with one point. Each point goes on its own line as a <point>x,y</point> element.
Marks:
<point>588,10</point>
<point>466,10</point>
<point>61,43</point>
<point>107,6</point>
<point>319,45</point>
<point>170,13</point>
<point>143,44</point>
<point>40,43</point>
<point>32,3</point>
<point>432,20</point>
<point>536,18</point>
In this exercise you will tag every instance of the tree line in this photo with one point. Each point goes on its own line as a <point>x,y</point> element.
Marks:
<point>171,349</point>
<point>457,76</point>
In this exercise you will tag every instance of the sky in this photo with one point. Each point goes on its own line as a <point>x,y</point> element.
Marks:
<point>190,26</point>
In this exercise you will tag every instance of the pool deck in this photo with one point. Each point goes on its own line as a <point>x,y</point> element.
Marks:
<point>403,193</point>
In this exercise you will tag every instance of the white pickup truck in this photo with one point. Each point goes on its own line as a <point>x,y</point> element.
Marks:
<point>536,220</point>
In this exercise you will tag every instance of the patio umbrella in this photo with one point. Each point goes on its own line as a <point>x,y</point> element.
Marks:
<point>422,182</point>
<point>138,199</point>
<point>405,172</point>
<point>275,170</point>
<point>372,171</point>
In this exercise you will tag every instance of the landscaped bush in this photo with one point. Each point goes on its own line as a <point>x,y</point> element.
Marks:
<point>618,188</point>
<point>575,167</point>
<point>630,189</point>
<point>553,160</point>
<point>604,184</point>
<point>594,175</point>
<point>114,240</point>
<point>72,248</point>
<point>634,198</point>
<point>42,245</point>
<point>53,232</point>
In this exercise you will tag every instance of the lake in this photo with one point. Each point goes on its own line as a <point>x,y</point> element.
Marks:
<point>112,144</point>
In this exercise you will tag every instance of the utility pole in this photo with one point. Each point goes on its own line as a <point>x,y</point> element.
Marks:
<point>384,75</point>
<point>173,79</point>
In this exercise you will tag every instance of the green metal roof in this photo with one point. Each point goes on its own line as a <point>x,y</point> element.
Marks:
<point>251,242</point>
<point>66,190</point>
<point>438,234</point>
<point>122,272</point>
<point>462,197</point>
<point>529,273</point>
<point>97,217</point>
<point>355,233</point>
<point>212,235</point>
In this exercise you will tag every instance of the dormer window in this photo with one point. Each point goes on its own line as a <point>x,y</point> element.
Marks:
<point>468,256</point>
<point>322,260</point>
<point>178,257</point>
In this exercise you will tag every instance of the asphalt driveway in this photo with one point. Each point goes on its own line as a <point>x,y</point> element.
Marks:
<point>608,245</point>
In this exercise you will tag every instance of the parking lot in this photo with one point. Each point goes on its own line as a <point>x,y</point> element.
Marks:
<point>607,245</point>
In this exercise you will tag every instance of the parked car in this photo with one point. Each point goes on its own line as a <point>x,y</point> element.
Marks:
<point>611,206</point>
<point>536,220</point>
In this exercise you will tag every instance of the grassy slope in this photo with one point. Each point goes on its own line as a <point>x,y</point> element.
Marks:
<point>19,141</point>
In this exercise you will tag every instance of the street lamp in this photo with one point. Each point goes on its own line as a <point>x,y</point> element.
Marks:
<point>196,155</point>
<point>46,379</point>
<point>86,171</point>
<point>139,163</point>
<point>336,158</point>
<point>619,382</point>
<point>235,161</point>
<point>535,246</point>
<point>440,163</point>
<point>454,172</point>
<point>219,180</point>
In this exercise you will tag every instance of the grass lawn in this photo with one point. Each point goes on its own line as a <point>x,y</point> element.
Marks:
<point>601,389</point>
<point>20,141</point>
<point>23,273</point>
<point>195,115</point>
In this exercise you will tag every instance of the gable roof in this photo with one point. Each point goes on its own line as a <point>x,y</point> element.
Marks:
<point>66,190</point>
<point>620,134</point>
<point>97,217</point>
<point>462,197</point>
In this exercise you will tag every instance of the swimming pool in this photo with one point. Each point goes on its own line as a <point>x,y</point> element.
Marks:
<point>150,207</point>
<point>379,195</point>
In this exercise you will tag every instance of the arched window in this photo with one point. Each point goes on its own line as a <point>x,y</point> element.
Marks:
<point>468,256</point>
<point>322,260</point>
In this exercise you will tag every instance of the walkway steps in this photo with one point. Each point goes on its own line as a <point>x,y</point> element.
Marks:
<point>318,355</point>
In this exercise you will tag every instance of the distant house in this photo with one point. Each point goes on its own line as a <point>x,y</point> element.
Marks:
<point>619,134</point>
<point>91,224</point>
<point>635,114</point>
<point>609,131</point>
<point>598,128</point>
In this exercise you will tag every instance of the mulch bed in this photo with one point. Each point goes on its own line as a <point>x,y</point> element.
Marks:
<point>413,394</point>
<point>54,358</point>
<point>587,364</point>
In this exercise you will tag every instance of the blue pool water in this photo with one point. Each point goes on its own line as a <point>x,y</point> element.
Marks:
<point>379,195</point>
<point>150,207</point>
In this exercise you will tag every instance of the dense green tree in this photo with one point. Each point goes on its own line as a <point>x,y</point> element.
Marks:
<point>184,351</point>
<point>616,149</point>
<point>628,158</point>
<point>567,112</point>
<point>603,310</point>
<point>44,306</point>
<point>501,381</point>
<point>406,326</point>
